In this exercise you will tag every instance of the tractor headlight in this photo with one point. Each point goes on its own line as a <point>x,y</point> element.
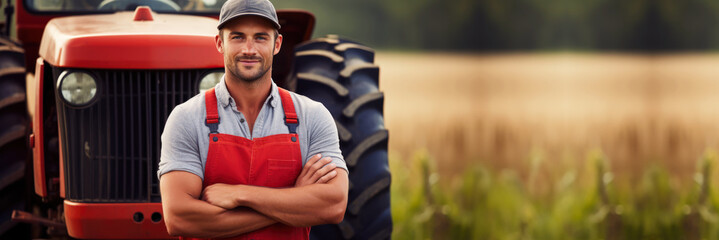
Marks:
<point>76,87</point>
<point>211,79</point>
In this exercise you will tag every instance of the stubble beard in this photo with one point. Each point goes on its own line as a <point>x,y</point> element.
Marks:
<point>245,76</point>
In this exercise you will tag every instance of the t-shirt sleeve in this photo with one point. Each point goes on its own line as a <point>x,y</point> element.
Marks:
<point>323,136</point>
<point>180,149</point>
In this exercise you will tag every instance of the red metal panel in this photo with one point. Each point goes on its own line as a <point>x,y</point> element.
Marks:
<point>38,156</point>
<point>29,31</point>
<point>116,41</point>
<point>62,166</point>
<point>139,52</point>
<point>114,221</point>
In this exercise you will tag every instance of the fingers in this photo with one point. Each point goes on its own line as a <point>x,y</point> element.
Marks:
<point>317,170</point>
<point>220,195</point>
<point>321,168</point>
<point>327,177</point>
<point>309,164</point>
<point>203,196</point>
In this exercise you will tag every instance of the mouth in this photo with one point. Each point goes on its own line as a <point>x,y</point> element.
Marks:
<point>249,62</point>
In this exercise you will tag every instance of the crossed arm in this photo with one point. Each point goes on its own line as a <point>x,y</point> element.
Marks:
<point>221,210</point>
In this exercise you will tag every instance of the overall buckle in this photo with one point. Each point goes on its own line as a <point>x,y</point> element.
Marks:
<point>213,126</point>
<point>292,126</point>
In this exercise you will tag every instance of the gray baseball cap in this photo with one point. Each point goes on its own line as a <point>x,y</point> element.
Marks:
<point>235,8</point>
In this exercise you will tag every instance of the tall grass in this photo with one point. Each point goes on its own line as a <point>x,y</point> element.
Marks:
<point>583,203</point>
<point>507,139</point>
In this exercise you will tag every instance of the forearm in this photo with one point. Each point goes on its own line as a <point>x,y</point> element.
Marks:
<point>300,206</point>
<point>186,215</point>
<point>196,218</point>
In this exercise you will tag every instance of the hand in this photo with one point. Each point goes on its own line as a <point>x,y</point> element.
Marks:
<point>316,170</point>
<point>222,195</point>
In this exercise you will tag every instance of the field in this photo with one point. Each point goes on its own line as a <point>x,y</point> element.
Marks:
<point>608,131</point>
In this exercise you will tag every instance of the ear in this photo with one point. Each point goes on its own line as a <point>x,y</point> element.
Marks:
<point>218,44</point>
<point>278,44</point>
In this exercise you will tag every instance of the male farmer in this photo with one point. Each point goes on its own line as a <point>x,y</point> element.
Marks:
<point>247,159</point>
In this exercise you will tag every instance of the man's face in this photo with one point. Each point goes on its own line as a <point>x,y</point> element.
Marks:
<point>248,45</point>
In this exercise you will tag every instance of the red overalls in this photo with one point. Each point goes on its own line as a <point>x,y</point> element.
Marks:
<point>272,161</point>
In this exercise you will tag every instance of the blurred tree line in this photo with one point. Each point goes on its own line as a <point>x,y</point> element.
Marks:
<point>497,25</point>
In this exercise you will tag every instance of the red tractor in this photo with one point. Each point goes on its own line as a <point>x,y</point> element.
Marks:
<point>87,85</point>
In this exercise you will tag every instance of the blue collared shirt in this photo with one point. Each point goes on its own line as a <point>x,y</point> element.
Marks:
<point>185,140</point>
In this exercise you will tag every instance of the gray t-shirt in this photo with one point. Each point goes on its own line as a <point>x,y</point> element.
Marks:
<point>185,140</point>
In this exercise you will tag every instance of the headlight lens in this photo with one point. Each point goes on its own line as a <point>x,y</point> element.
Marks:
<point>210,80</point>
<point>77,88</point>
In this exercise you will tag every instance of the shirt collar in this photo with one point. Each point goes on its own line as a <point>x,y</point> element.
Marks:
<point>225,99</point>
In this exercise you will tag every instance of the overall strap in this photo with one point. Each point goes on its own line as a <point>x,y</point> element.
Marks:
<point>213,119</point>
<point>290,116</point>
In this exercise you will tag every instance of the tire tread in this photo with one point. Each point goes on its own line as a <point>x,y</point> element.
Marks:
<point>365,145</point>
<point>339,89</point>
<point>358,103</point>
<point>350,91</point>
<point>14,179</point>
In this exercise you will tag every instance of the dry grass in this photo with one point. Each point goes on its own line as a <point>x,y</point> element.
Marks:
<point>500,109</point>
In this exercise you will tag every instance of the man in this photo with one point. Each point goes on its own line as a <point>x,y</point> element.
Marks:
<point>247,159</point>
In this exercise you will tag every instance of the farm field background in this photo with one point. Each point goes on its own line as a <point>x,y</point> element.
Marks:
<point>648,124</point>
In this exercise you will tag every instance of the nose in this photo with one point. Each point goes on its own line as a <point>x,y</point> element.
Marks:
<point>248,48</point>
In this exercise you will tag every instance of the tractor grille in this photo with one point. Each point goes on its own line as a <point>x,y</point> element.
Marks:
<point>111,149</point>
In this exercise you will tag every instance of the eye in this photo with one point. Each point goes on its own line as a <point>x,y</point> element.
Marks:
<point>261,38</point>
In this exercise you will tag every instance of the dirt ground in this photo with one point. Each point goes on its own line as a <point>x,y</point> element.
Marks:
<point>498,110</point>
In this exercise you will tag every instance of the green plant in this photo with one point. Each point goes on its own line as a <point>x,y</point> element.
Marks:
<point>584,203</point>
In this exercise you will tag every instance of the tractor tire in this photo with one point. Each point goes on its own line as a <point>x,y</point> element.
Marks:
<point>15,174</point>
<point>342,75</point>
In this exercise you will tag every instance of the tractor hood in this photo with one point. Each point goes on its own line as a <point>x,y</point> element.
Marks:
<point>128,40</point>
